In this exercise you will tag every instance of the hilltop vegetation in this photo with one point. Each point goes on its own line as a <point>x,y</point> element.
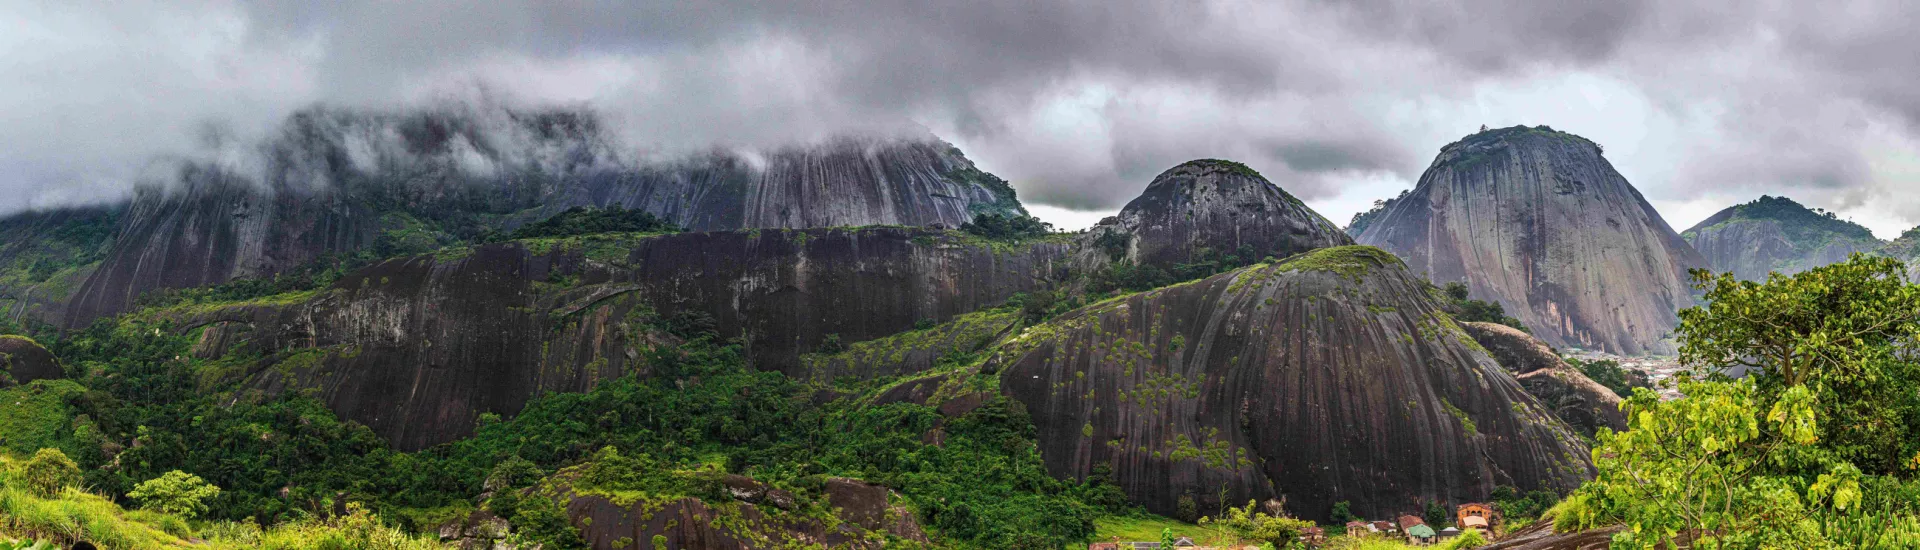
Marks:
<point>1776,234</point>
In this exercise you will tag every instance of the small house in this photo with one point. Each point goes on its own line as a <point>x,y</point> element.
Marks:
<point>1474,515</point>
<point>1313,535</point>
<point>1421,534</point>
<point>1104,546</point>
<point>1449,532</point>
<point>1357,527</point>
<point>1386,527</point>
<point>1408,521</point>
<point>1183,542</point>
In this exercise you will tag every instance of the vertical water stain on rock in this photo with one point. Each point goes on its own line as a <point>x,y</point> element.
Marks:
<point>1331,376</point>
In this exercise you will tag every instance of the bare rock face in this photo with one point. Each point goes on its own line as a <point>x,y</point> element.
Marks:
<point>417,347</point>
<point>1776,234</point>
<point>1537,220</point>
<point>1330,377</point>
<point>338,183</point>
<point>1582,403</point>
<point>1213,206</point>
<point>24,360</point>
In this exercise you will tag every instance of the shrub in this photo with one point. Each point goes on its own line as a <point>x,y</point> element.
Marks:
<point>49,471</point>
<point>175,492</point>
<point>584,221</point>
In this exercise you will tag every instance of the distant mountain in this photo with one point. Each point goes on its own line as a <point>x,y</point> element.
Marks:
<point>336,184</point>
<point>1906,248</point>
<point>1776,234</point>
<point>1538,220</point>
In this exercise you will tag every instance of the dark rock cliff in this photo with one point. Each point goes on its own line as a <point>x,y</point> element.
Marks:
<point>417,347</point>
<point>1539,221</point>
<point>1582,403</point>
<point>1329,377</point>
<point>1212,206</point>
<point>333,183</point>
<point>1776,234</point>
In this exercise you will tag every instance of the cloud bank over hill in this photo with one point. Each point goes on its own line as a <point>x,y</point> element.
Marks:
<point>1078,103</point>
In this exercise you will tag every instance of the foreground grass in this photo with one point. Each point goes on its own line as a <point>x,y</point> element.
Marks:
<point>73,515</point>
<point>1146,528</point>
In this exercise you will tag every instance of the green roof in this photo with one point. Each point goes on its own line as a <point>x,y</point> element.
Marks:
<point>1420,531</point>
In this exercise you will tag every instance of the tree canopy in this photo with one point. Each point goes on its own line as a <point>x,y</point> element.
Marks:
<point>1814,449</point>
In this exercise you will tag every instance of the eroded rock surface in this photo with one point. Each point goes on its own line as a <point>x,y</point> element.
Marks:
<point>416,348</point>
<point>336,183</point>
<point>1331,377</point>
<point>1541,222</point>
<point>1582,403</point>
<point>1212,206</point>
<point>1776,234</point>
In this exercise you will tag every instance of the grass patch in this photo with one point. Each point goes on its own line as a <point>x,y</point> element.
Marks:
<point>37,415</point>
<point>1352,261</point>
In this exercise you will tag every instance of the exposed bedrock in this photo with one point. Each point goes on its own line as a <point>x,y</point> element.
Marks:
<point>418,347</point>
<point>1538,220</point>
<point>1582,403</point>
<point>1330,377</point>
<point>335,182</point>
<point>1211,206</point>
<point>1776,234</point>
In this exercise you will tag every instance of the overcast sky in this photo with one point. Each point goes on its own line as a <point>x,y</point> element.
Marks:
<point>1079,104</point>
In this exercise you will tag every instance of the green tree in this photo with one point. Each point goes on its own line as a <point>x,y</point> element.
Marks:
<point>1166,537</point>
<point>175,492</point>
<point>1844,331</point>
<point>1774,460</point>
<point>1709,464</point>
<point>1436,514</point>
<point>49,471</point>
<point>1342,512</point>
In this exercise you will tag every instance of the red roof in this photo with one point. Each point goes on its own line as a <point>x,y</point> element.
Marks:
<point>1410,521</point>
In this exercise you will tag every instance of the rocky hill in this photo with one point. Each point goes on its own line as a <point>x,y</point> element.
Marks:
<point>1906,248</point>
<point>1776,235</point>
<point>1204,209</point>
<point>337,184</point>
<point>417,347</point>
<point>1539,221</point>
<point>1328,377</point>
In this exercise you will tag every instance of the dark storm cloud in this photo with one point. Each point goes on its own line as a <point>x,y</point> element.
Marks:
<point>1078,102</point>
<point>1502,35</point>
